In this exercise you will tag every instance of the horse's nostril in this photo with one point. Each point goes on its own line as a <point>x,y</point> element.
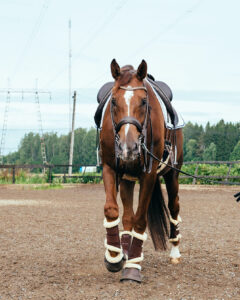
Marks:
<point>135,147</point>
<point>128,152</point>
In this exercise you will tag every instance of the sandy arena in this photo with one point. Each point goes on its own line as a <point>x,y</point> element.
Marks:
<point>51,247</point>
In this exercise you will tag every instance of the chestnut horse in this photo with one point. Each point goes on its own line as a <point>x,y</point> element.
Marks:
<point>134,118</point>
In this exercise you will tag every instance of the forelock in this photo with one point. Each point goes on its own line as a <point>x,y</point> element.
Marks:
<point>126,74</point>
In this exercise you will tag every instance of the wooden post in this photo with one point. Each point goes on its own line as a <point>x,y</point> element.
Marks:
<point>229,170</point>
<point>195,174</point>
<point>50,175</point>
<point>13,175</point>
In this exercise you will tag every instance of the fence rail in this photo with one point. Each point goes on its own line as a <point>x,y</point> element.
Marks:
<point>50,168</point>
<point>225,178</point>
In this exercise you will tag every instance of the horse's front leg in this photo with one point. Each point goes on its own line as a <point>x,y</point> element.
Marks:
<point>171,180</point>
<point>126,193</point>
<point>113,256</point>
<point>132,266</point>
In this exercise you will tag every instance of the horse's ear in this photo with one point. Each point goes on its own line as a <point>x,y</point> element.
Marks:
<point>115,69</point>
<point>142,70</point>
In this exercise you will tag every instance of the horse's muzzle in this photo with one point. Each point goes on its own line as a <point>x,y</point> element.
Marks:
<point>129,152</point>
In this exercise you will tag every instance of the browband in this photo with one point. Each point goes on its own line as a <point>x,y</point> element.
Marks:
<point>129,88</point>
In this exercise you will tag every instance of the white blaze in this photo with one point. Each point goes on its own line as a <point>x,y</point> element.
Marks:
<point>127,96</point>
<point>126,129</point>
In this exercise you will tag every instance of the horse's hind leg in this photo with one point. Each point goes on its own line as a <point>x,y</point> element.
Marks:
<point>126,193</point>
<point>113,256</point>
<point>171,180</point>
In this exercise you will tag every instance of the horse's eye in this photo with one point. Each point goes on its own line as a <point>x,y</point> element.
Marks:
<point>144,101</point>
<point>114,103</point>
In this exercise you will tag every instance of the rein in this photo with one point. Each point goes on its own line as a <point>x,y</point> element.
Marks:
<point>144,147</point>
<point>143,142</point>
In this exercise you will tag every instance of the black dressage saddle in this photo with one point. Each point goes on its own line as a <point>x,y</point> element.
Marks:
<point>160,87</point>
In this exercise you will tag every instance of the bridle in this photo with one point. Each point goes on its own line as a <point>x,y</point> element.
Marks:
<point>142,129</point>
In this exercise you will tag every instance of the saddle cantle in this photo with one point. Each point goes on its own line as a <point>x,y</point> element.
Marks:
<point>102,97</point>
<point>163,93</point>
<point>105,90</point>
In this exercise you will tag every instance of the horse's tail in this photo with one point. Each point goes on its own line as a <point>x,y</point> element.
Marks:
<point>158,218</point>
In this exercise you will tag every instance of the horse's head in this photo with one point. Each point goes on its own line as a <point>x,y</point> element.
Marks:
<point>129,109</point>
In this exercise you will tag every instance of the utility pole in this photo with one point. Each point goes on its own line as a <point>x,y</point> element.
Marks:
<point>8,93</point>
<point>69,70</point>
<point>72,135</point>
<point>42,142</point>
<point>4,128</point>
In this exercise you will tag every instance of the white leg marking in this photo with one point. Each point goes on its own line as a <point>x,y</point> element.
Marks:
<point>175,253</point>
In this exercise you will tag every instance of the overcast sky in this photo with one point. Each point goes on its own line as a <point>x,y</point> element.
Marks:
<point>193,45</point>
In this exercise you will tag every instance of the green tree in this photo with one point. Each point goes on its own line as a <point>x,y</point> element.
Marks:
<point>89,144</point>
<point>191,150</point>
<point>224,136</point>
<point>194,132</point>
<point>235,155</point>
<point>210,152</point>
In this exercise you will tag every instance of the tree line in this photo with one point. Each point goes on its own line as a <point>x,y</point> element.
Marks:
<point>57,148</point>
<point>212,142</point>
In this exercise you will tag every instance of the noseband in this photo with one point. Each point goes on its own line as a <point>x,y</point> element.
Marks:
<point>142,129</point>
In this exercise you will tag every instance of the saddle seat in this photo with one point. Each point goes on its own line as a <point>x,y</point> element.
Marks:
<point>162,91</point>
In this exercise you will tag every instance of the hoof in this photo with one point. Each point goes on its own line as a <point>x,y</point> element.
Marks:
<point>175,261</point>
<point>114,267</point>
<point>131,274</point>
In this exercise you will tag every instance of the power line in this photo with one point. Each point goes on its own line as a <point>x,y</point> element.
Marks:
<point>95,34</point>
<point>154,38</point>
<point>166,29</point>
<point>100,28</point>
<point>32,36</point>
<point>5,119</point>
